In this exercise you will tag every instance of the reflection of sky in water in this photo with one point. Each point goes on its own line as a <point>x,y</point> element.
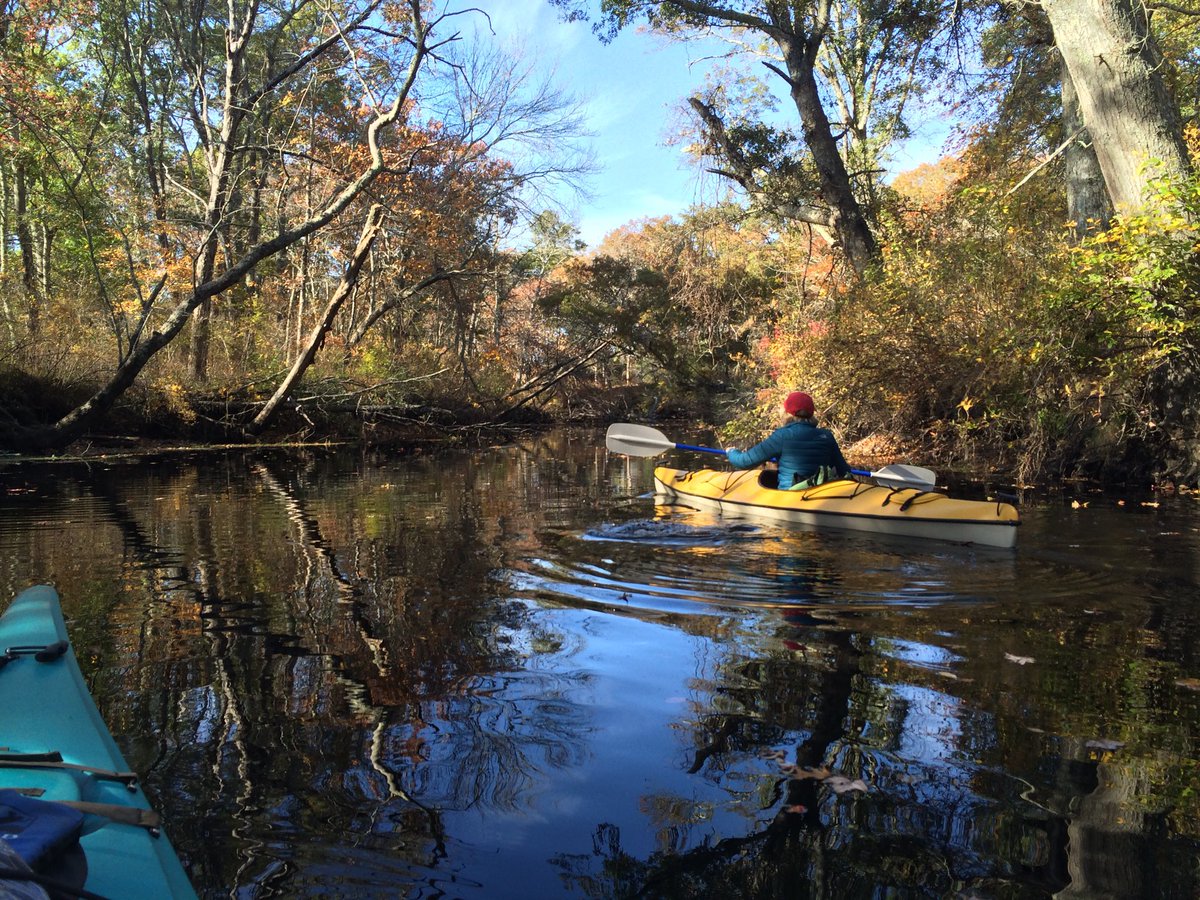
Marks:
<point>616,696</point>
<point>924,655</point>
<point>931,725</point>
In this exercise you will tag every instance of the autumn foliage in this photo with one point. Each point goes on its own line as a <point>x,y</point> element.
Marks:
<point>354,209</point>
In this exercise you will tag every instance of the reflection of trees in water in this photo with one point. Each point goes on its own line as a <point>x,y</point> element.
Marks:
<point>928,826</point>
<point>966,793</point>
<point>1051,814</point>
<point>353,674</point>
<point>312,669</point>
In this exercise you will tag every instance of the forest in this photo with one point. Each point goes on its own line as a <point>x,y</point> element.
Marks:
<point>266,220</point>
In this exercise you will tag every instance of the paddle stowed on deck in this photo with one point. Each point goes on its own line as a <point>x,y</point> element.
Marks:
<point>897,500</point>
<point>80,822</point>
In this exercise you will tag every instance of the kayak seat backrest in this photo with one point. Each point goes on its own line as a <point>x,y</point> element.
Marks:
<point>37,830</point>
<point>824,474</point>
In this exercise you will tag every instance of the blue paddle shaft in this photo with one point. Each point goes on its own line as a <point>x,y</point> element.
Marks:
<point>700,449</point>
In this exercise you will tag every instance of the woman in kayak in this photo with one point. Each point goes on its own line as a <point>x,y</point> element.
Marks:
<point>807,454</point>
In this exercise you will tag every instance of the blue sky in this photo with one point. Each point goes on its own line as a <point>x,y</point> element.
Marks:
<point>633,89</point>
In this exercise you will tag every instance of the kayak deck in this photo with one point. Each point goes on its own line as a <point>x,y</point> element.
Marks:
<point>54,746</point>
<point>846,504</point>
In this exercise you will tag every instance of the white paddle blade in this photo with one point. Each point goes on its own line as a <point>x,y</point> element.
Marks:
<point>909,476</point>
<point>636,440</point>
<point>909,473</point>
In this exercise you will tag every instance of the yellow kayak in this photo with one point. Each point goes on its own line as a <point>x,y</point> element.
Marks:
<point>848,504</point>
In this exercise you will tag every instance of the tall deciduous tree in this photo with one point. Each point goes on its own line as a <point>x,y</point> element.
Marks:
<point>1116,68</point>
<point>798,30</point>
<point>1088,206</point>
<point>227,105</point>
<point>1035,116</point>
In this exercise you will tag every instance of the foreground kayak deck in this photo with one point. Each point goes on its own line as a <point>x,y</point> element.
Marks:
<point>55,746</point>
<point>846,504</point>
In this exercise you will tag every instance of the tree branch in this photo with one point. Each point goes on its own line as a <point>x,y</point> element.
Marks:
<point>1045,162</point>
<point>742,173</point>
<point>1174,7</point>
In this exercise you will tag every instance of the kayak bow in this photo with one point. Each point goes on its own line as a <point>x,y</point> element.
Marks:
<point>56,755</point>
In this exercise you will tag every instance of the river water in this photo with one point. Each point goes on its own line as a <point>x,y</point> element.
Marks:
<point>508,673</point>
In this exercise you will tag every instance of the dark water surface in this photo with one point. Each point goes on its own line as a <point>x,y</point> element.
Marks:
<point>507,673</point>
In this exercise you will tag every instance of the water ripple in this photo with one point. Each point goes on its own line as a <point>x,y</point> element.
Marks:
<point>657,531</point>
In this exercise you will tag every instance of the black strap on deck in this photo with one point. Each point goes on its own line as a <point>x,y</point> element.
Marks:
<point>21,761</point>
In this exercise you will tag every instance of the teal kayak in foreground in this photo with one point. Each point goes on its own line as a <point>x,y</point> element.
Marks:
<point>55,747</point>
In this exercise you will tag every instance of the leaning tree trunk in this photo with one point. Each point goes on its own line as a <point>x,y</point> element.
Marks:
<point>849,224</point>
<point>1087,201</point>
<point>74,423</point>
<point>317,337</point>
<point>1116,69</point>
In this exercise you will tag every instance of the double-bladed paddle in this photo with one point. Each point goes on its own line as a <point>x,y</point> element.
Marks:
<point>642,440</point>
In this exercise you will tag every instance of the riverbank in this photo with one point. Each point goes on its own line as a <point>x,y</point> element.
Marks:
<point>155,421</point>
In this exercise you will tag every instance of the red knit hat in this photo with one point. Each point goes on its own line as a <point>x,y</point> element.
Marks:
<point>799,403</point>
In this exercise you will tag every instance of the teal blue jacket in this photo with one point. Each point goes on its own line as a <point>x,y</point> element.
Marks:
<point>801,448</point>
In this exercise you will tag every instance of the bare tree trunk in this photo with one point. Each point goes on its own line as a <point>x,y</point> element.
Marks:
<point>1116,69</point>
<point>847,220</point>
<point>345,287</point>
<point>201,339</point>
<point>302,290</point>
<point>29,273</point>
<point>799,39</point>
<point>1087,202</point>
<point>4,222</point>
<point>219,154</point>
<point>287,318</point>
<point>45,243</point>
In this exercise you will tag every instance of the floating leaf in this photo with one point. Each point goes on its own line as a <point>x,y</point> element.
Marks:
<point>841,784</point>
<point>820,773</point>
<point>1019,660</point>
